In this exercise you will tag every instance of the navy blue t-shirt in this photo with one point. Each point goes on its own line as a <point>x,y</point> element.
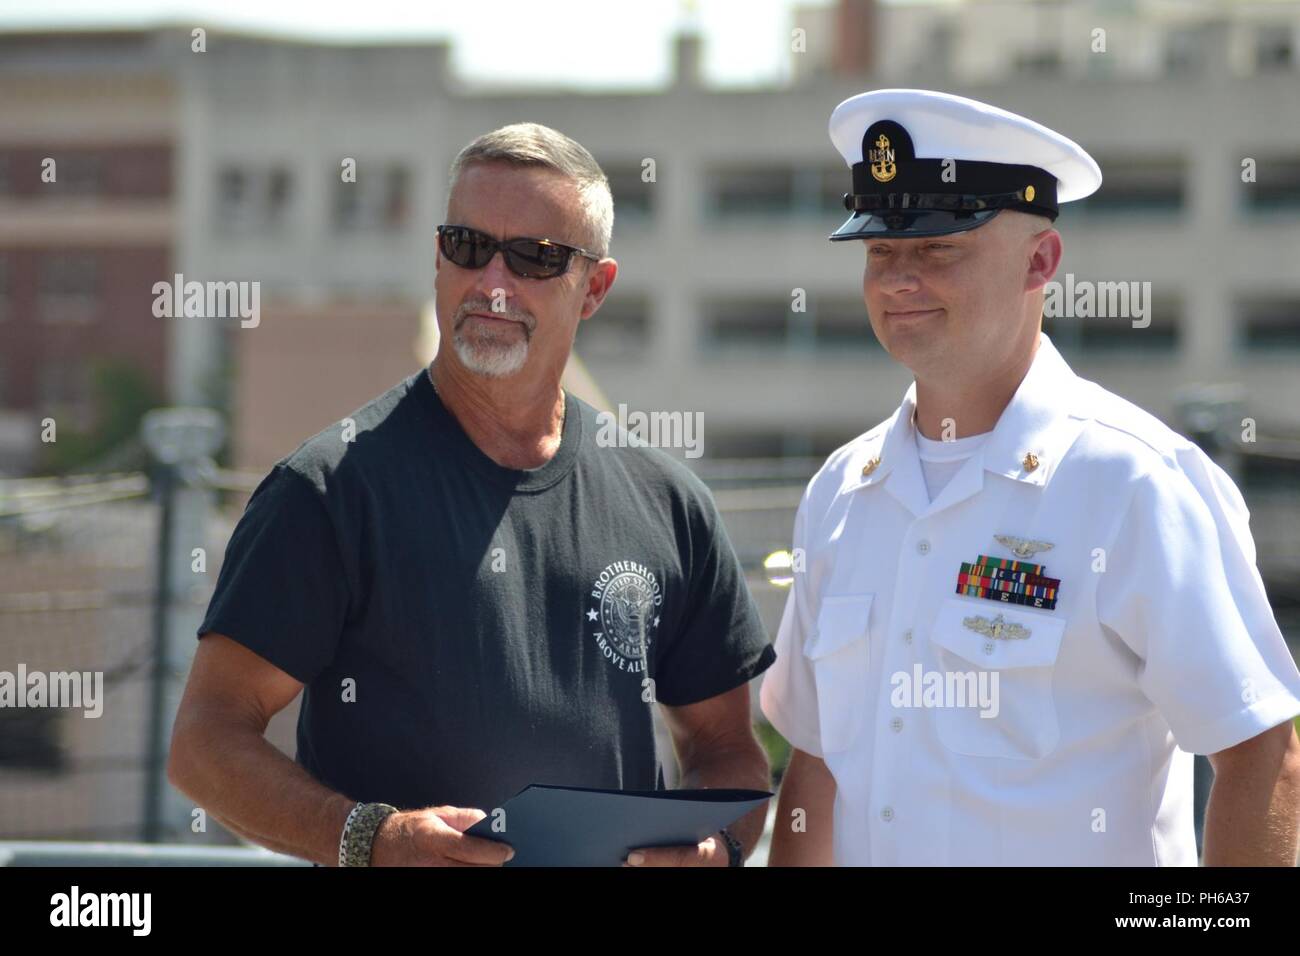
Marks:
<point>464,629</point>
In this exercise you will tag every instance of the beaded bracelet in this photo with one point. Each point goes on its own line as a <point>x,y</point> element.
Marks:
<point>359,832</point>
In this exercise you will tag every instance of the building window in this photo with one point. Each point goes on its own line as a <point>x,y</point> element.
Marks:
<point>252,200</point>
<point>378,201</point>
<point>277,196</point>
<point>832,183</point>
<point>942,44</point>
<point>1114,335</point>
<point>747,444</point>
<point>620,329</point>
<point>232,195</point>
<point>1276,187</point>
<point>826,324</point>
<point>1265,472</point>
<point>753,191</point>
<point>29,739</point>
<point>762,323</point>
<point>772,444</point>
<point>69,287</point>
<point>1038,62</point>
<point>1266,323</point>
<point>783,191</point>
<point>1273,50</point>
<point>79,174</point>
<point>64,388</point>
<point>1135,186</point>
<point>4,288</point>
<point>633,198</point>
<point>1186,50</point>
<point>841,323</point>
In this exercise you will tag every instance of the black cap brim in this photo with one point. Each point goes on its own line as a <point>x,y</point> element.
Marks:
<point>912,224</point>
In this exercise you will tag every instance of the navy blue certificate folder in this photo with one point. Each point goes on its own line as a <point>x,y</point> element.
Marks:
<point>574,826</point>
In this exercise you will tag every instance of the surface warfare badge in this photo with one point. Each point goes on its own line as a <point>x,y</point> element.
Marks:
<point>625,614</point>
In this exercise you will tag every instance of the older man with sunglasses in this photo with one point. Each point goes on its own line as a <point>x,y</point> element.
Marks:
<point>475,593</point>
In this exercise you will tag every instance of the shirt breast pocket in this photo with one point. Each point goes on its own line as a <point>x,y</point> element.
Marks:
<point>839,654</point>
<point>1002,661</point>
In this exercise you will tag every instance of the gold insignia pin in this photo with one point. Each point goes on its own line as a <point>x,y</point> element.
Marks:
<point>1030,462</point>
<point>998,629</point>
<point>870,466</point>
<point>1029,194</point>
<point>883,167</point>
<point>1022,547</point>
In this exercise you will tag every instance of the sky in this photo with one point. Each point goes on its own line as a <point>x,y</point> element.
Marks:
<point>609,44</point>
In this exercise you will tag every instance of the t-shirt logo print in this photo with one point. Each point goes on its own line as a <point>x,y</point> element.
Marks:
<point>628,597</point>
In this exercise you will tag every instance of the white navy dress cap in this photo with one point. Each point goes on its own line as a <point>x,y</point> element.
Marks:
<point>926,163</point>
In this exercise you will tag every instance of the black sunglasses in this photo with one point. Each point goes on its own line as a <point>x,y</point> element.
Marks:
<point>530,258</point>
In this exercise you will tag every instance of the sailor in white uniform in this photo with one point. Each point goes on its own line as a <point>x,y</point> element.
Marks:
<point>1021,603</point>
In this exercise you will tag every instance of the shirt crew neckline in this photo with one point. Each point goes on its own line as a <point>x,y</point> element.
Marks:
<point>527,480</point>
<point>928,449</point>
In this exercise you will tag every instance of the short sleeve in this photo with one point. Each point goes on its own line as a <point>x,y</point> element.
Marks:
<point>282,592</point>
<point>721,643</point>
<point>788,696</point>
<point>1182,591</point>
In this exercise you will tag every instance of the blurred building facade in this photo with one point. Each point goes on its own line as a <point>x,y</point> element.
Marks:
<point>715,249</point>
<point>87,136</point>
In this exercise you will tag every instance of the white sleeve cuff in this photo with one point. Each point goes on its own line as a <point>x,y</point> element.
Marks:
<point>1240,726</point>
<point>808,742</point>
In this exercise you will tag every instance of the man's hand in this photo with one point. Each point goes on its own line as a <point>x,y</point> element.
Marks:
<point>710,852</point>
<point>716,747</point>
<point>435,837</point>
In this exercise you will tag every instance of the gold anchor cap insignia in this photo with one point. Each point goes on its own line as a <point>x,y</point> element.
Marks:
<point>881,159</point>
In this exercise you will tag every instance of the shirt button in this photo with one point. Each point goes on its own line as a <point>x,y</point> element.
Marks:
<point>907,636</point>
<point>988,647</point>
<point>896,724</point>
<point>887,814</point>
<point>923,547</point>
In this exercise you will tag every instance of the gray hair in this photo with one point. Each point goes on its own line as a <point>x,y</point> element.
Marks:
<point>531,144</point>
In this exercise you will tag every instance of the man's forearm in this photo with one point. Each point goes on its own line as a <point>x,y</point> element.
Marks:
<point>240,778</point>
<point>804,831</point>
<point>740,768</point>
<point>1253,815</point>
<point>269,843</point>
